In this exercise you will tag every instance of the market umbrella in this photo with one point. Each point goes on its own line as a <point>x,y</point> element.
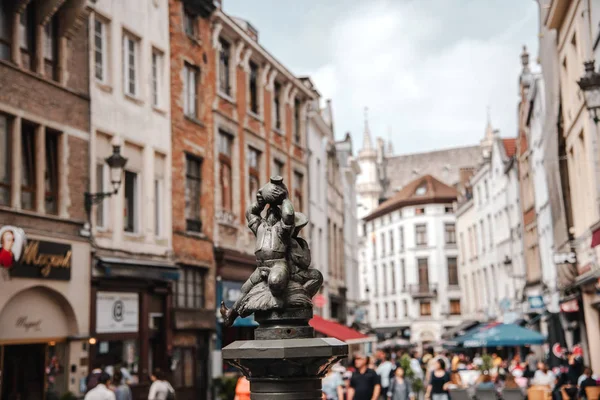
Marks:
<point>498,334</point>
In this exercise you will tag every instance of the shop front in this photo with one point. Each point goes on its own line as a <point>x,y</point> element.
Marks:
<point>130,319</point>
<point>44,319</point>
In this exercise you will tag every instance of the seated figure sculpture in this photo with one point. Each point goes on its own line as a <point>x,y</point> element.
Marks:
<point>282,278</point>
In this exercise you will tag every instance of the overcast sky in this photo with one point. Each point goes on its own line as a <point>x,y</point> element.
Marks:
<point>427,69</point>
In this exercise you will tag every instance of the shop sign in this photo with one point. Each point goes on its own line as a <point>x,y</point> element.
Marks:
<point>536,302</point>
<point>565,258</point>
<point>117,312</point>
<point>33,259</point>
<point>28,325</point>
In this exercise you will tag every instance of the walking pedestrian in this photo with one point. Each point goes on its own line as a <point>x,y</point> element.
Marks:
<point>101,390</point>
<point>400,388</point>
<point>160,389</point>
<point>122,390</point>
<point>333,385</point>
<point>385,372</point>
<point>438,382</point>
<point>364,384</point>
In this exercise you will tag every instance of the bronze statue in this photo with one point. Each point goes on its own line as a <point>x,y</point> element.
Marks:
<point>282,278</point>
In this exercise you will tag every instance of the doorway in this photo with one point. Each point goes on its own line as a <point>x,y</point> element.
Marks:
<point>23,373</point>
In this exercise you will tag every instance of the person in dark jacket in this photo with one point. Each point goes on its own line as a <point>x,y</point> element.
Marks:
<point>587,382</point>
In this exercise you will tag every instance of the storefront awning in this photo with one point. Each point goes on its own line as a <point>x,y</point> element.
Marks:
<point>596,238</point>
<point>459,329</point>
<point>498,334</point>
<point>339,331</point>
<point>114,267</point>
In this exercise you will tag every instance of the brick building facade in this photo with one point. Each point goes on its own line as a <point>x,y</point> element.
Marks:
<point>193,83</point>
<point>44,156</point>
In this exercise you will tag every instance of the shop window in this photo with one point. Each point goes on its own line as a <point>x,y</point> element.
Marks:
<point>225,156</point>
<point>189,290</point>
<point>5,159</point>
<point>183,373</point>
<point>121,354</point>
<point>193,181</point>
<point>51,173</point>
<point>28,161</point>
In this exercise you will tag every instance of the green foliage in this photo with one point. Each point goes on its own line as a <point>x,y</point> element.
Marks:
<point>487,363</point>
<point>409,374</point>
<point>225,387</point>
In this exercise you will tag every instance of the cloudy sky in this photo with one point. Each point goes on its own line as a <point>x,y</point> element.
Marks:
<point>426,69</point>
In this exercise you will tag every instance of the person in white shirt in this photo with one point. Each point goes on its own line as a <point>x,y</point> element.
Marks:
<point>543,376</point>
<point>160,388</point>
<point>384,370</point>
<point>101,391</point>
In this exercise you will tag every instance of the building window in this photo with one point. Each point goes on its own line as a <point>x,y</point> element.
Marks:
<point>377,312</point>
<point>190,88</point>
<point>50,47</point>
<point>423,270</point>
<point>382,244</point>
<point>277,105</point>
<point>278,167</point>
<point>157,74</point>
<point>225,176</point>
<point>385,281</point>
<point>420,211</point>
<point>393,278</point>
<point>5,159</point>
<point>189,24</point>
<point>403,274</point>
<point>130,64</point>
<point>455,307</point>
<point>452,271</point>
<point>27,34</point>
<point>425,308</point>
<point>482,232</point>
<point>224,63</point>
<point>189,291</point>
<point>391,242</point>
<point>450,233</point>
<point>193,181</point>
<point>401,238</point>
<point>490,229</point>
<point>421,234</point>
<point>298,190</point>
<point>253,173</point>
<point>395,308</point>
<point>405,308</point>
<point>28,166</point>
<point>448,209</point>
<point>158,206</point>
<point>5,31</point>
<point>375,281</point>
<point>297,133</point>
<point>386,310</point>
<point>131,201</point>
<point>51,173</point>
<point>253,87</point>
<point>100,188</point>
<point>184,372</point>
<point>100,50</point>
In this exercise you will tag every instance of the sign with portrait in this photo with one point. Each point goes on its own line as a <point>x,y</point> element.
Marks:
<point>33,258</point>
<point>117,312</point>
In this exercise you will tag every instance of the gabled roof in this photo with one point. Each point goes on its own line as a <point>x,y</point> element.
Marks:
<point>430,190</point>
<point>510,146</point>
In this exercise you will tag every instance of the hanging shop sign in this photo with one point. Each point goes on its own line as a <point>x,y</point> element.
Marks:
<point>117,312</point>
<point>565,258</point>
<point>536,302</point>
<point>34,258</point>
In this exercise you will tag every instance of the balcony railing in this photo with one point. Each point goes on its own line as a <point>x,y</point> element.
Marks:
<point>423,290</point>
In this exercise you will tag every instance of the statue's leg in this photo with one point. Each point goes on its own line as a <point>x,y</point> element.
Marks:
<point>315,280</point>
<point>254,279</point>
<point>279,277</point>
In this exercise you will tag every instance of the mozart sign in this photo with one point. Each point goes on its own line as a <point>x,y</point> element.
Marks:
<point>34,258</point>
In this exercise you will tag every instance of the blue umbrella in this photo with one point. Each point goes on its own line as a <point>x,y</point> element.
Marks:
<point>496,334</point>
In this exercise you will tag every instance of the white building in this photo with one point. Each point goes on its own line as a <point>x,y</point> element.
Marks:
<point>317,139</point>
<point>409,270</point>
<point>489,234</point>
<point>350,169</point>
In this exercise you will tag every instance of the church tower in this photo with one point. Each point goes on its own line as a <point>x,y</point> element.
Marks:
<point>368,186</point>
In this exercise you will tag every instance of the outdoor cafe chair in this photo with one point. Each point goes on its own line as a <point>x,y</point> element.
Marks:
<point>539,392</point>
<point>486,394</point>
<point>592,392</point>
<point>460,394</point>
<point>513,394</point>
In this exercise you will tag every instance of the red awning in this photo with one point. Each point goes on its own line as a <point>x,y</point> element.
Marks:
<point>336,330</point>
<point>596,238</point>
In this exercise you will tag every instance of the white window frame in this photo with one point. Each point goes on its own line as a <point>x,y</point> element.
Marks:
<point>103,50</point>
<point>189,97</point>
<point>127,39</point>
<point>157,67</point>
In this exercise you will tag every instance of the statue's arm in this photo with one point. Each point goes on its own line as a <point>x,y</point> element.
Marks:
<point>287,219</point>
<point>253,214</point>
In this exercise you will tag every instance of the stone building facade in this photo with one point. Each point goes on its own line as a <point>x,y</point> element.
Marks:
<point>44,171</point>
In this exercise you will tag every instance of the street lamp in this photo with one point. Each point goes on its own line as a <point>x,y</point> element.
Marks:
<point>116,162</point>
<point>590,86</point>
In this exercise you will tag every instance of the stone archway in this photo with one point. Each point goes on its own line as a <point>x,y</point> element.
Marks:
<point>37,314</point>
